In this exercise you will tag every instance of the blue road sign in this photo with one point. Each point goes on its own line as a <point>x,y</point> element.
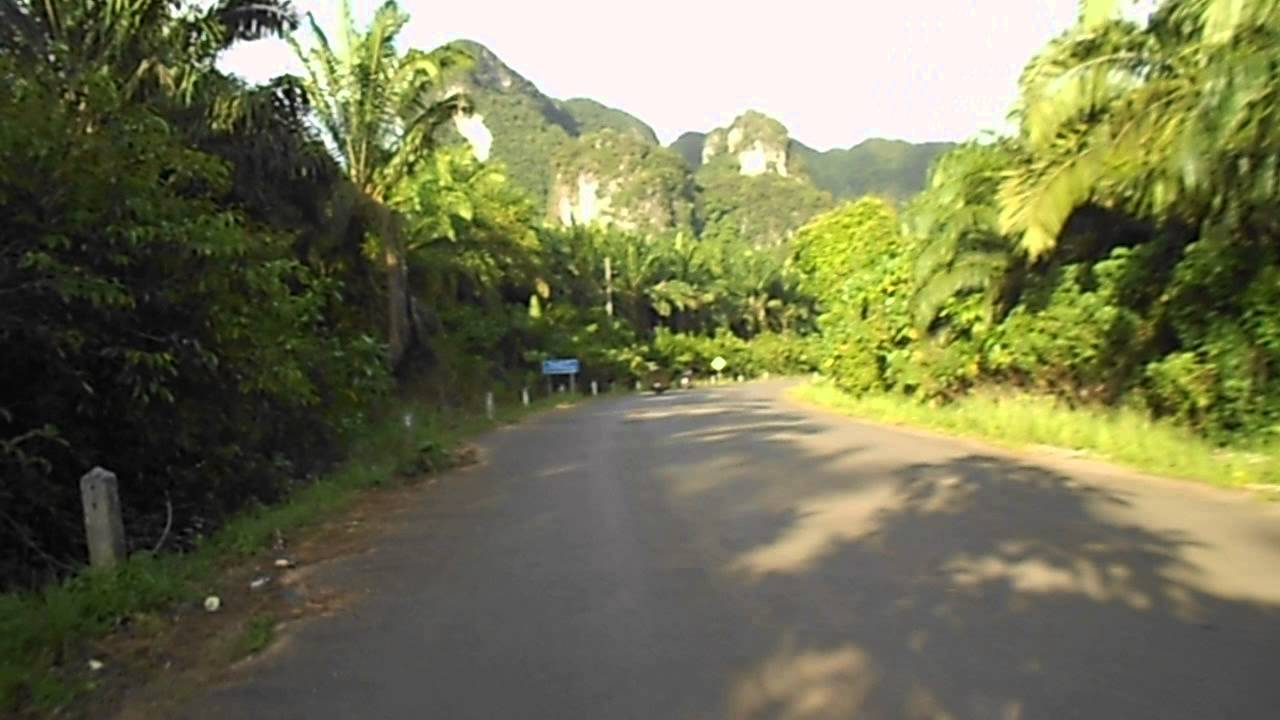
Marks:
<point>560,366</point>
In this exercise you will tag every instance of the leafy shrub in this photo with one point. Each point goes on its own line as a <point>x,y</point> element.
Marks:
<point>1064,337</point>
<point>147,329</point>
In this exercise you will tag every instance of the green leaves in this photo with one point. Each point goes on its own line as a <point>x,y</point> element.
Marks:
<point>1152,119</point>
<point>1224,18</point>
<point>1097,12</point>
<point>857,264</point>
<point>163,333</point>
<point>378,108</point>
<point>971,271</point>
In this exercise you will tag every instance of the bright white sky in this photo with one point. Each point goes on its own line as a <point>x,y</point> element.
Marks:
<point>835,72</point>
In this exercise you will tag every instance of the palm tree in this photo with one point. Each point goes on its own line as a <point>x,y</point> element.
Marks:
<point>150,45</point>
<point>753,288</point>
<point>378,111</point>
<point>1174,118</point>
<point>955,220</point>
<point>163,53</point>
<point>472,233</point>
<point>638,265</point>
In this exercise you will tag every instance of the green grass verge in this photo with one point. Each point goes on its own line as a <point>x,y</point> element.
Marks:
<point>256,635</point>
<point>41,632</point>
<point>1124,437</point>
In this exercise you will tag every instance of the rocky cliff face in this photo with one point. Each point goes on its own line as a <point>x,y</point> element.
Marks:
<point>750,187</point>
<point>587,163</point>
<point>612,177</point>
<point>473,129</point>
<point>743,189</point>
<point>755,143</point>
<point>525,128</point>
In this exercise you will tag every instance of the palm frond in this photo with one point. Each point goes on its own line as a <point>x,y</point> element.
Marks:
<point>970,272</point>
<point>934,255</point>
<point>1096,12</point>
<point>1077,76</point>
<point>1037,200</point>
<point>1224,19</point>
<point>245,20</point>
<point>326,85</point>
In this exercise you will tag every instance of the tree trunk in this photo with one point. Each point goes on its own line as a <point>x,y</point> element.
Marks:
<point>397,307</point>
<point>399,322</point>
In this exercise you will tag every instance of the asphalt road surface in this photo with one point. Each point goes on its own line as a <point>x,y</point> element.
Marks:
<point>724,553</point>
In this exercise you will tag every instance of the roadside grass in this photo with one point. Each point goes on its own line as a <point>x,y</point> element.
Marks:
<point>1121,436</point>
<point>43,633</point>
<point>256,635</point>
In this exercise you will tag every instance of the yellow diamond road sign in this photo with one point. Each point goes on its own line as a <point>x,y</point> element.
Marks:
<point>718,364</point>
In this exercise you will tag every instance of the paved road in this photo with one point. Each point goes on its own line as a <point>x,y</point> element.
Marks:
<point>721,553</point>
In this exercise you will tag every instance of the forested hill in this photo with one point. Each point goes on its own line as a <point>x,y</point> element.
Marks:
<point>892,168</point>
<point>527,126</point>
<point>895,168</point>
<point>533,132</point>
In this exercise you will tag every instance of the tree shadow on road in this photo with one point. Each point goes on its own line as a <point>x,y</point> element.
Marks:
<point>973,586</point>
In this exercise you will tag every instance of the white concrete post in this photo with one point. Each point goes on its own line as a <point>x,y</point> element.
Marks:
<point>595,389</point>
<point>524,397</point>
<point>488,404</point>
<point>103,524</point>
<point>408,435</point>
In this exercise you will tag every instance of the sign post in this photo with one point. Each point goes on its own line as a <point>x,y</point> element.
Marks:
<point>561,366</point>
<point>719,364</point>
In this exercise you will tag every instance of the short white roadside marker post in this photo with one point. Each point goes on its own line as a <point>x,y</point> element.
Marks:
<point>103,524</point>
<point>595,389</point>
<point>524,397</point>
<point>488,404</point>
<point>408,434</point>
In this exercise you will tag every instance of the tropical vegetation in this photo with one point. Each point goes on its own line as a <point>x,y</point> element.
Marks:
<point>1117,250</point>
<point>211,287</point>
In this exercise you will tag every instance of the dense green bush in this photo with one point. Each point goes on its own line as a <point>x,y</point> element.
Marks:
<point>1063,337</point>
<point>855,261</point>
<point>147,329</point>
<point>772,353</point>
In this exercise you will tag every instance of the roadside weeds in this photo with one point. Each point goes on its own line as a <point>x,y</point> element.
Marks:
<point>1026,422</point>
<point>82,645</point>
